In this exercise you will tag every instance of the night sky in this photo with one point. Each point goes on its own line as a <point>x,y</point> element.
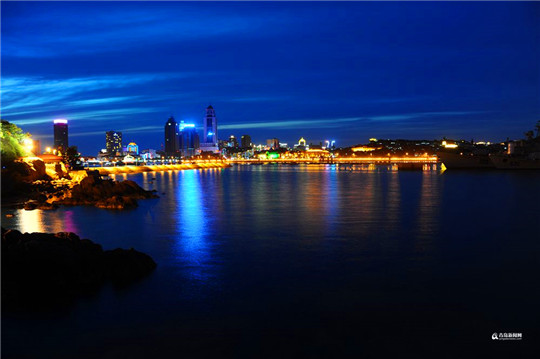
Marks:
<point>340,71</point>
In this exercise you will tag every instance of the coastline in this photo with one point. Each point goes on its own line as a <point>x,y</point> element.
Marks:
<point>159,168</point>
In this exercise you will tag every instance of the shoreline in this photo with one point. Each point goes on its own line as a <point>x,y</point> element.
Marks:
<point>157,168</point>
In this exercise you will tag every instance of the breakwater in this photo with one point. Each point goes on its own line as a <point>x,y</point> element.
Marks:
<point>158,168</point>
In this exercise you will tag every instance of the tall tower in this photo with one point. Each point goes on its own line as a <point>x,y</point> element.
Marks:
<point>172,140</point>
<point>61,135</point>
<point>210,135</point>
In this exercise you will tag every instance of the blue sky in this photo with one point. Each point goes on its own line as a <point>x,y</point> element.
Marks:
<point>346,71</point>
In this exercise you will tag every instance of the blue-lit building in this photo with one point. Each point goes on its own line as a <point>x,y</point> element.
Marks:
<point>172,138</point>
<point>132,148</point>
<point>189,140</point>
<point>210,134</point>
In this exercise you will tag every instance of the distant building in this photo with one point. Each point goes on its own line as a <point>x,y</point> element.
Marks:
<point>132,148</point>
<point>245,141</point>
<point>148,154</point>
<point>301,145</point>
<point>210,134</point>
<point>189,140</point>
<point>113,142</point>
<point>172,139</point>
<point>233,142</point>
<point>61,134</point>
<point>272,143</point>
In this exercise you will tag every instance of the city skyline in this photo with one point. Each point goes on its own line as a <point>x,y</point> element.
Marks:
<point>349,71</point>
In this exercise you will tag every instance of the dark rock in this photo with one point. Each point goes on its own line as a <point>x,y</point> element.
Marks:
<point>127,265</point>
<point>106,193</point>
<point>42,268</point>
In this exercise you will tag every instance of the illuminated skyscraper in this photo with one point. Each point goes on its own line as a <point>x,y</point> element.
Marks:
<point>172,139</point>
<point>113,142</point>
<point>210,135</point>
<point>61,134</point>
<point>189,140</point>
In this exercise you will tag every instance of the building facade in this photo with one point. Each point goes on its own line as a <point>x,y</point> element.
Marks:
<point>233,142</point>
<point>245,141</point>
<point>172,138</point>
<point>61,135</point>
<point>113,142</point>
<point>272,143</point>
<point>132,148</point>
<point>189,140</point>
<point>210,134</point>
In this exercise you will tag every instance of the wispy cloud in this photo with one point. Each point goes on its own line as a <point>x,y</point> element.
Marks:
<point>337,122</point>
<point>105,100</point>
<point>27,95</point>
<point>285,124</point>
<point>94,115</point>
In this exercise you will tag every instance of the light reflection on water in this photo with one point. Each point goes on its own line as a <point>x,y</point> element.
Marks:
<point>253,245</point>
<point>192,222</point>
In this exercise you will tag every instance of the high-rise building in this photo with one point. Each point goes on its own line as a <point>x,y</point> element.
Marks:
<point>272,143</point>
<point>210,135</point>
<point>172,139</point>
<point>245,141</point>
<point>61,134</point>
<point>113,142</point>
<point>189,140</point>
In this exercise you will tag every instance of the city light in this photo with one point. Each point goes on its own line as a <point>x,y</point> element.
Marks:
<point>28,144</point>
<point>60,121</point>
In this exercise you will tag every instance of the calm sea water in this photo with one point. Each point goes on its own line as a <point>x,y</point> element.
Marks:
<point>301,261</point>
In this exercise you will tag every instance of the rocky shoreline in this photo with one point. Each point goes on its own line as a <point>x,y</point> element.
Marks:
<point>104,193</point>
<point>40,270</point>
<point>30,186</point>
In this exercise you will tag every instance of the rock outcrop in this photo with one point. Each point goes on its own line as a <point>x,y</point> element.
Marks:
<point>42,269</point>
<point>105,193</point>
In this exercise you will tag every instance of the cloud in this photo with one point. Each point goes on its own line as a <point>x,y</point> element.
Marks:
<point>26,95</point>
<point>105,100</point>
<point>304,123</point>
<point>337,122</point>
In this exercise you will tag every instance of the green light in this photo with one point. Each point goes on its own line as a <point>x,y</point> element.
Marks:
<point>272,155</point>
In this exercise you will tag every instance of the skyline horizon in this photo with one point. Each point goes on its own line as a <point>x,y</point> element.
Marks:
<point>260,142</point>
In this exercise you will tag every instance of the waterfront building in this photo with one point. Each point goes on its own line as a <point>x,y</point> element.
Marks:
<point>301,145</point>
<point>189,140</point>
<point>245,141</point>
<point>272,143</point>
<point>172,138</point>
<point>210,134</point>
<point>61,134</point>
<point>113,142</point>
<point>132,148</point>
